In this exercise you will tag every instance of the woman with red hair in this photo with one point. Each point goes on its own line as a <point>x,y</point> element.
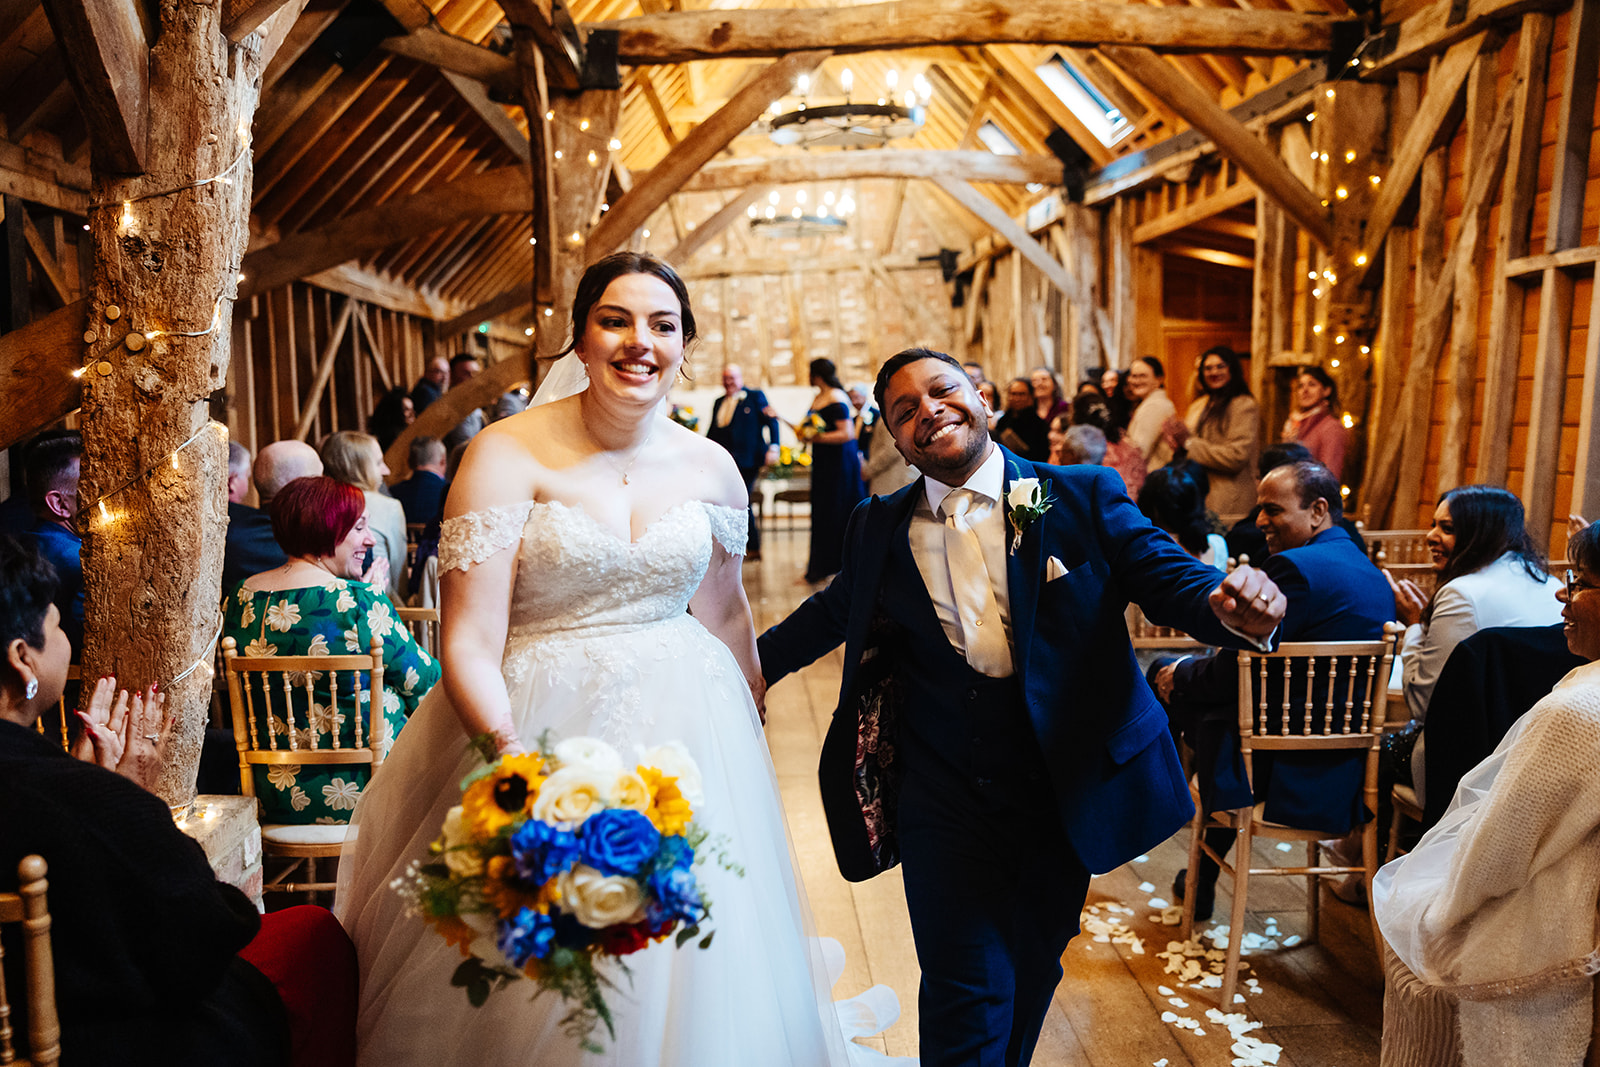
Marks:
<point>317,605</point>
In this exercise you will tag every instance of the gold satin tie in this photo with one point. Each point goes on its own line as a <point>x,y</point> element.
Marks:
<point>976,606</point>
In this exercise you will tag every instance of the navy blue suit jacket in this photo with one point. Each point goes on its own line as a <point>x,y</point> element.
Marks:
<point>1335,593</point>
<point>63,549</point>
<point>749,432</point>
<point>250,547</point>
<point>421,496</point>
<point>1113,767</point>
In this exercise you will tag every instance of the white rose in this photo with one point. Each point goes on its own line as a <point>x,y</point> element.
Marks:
<point>462,862</point>
<point>1025,493</point>
<point>588,752</point>
<point>597,900</point>
<point>483,946</point>
<point>674,761</point>
<point>571,795</point>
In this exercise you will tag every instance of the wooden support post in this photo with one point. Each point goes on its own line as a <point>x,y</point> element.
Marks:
<point>330,352</point>
<point>702,234</point>
<point>1124,309</point>
<point>1516,215</point>
<point>153,493</point>
<point>891,218</point>
<point>15,301</point>
<point>107,60</point>
<point>1574,128</point>
<point>580,124</point>
<point>1262,305</point>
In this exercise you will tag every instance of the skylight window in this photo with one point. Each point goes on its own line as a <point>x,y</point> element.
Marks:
<point>1098,114</point>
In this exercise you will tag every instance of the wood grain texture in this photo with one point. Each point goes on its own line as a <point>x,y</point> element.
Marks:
<point>955,165</point>
<point>108,63</point>
<point>36,364</point>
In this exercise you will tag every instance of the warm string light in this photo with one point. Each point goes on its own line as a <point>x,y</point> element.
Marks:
<point>99,504</point>
<point>225,177</point>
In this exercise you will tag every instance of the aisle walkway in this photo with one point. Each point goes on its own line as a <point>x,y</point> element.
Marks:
<point>1320,1004</point>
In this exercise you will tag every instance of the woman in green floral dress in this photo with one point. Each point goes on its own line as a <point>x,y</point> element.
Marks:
<point>315,605</point>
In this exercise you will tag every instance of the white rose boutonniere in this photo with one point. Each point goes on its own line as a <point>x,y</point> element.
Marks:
<point>1026,502</point>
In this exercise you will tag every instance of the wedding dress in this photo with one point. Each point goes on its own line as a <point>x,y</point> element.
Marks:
<point>600,644</point>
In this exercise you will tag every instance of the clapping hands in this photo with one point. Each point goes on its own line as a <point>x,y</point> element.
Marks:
<point>1409,599</point>
<point>125,734</point>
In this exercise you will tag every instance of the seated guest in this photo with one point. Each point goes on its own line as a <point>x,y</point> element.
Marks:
<point>1121,455</point>
<point>155,960</point>
<point>317,606</point>
<point>1335,594</point>
<point>883,468</point>
<point>1488,682</point>
<point>1244,538</point>
<point>421,496</point>
<point>53,468</point>
<point>431,385</point>
<point>249,547</point>
<point>395,411</point>
<point>1490,573</point>
<point>1070,445</point>
<point>355,459</point>
<point>1174,499</point>
<point>1490,920</point>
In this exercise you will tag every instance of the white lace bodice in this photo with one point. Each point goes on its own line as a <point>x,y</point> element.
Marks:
<point>575,574</point>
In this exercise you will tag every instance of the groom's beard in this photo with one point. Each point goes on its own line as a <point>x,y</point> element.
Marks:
<point>958,468</point>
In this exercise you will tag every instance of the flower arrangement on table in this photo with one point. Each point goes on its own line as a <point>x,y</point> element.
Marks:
<point>556,859</point>
<point>684,416</point>
<point>791,461</point>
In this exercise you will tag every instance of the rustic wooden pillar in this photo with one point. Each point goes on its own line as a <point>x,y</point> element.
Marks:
<point>168,244</point>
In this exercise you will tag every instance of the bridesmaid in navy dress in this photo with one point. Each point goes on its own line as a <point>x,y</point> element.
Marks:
<point>835,471</point>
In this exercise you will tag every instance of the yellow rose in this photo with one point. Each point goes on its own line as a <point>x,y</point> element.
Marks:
<point>598,901</point>
<point>463,862</point>
<point>630,792</point>
<point>571,795</point>
<point>673,761</point>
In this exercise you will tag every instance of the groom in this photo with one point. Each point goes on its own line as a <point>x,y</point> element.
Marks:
<point>994,733</point>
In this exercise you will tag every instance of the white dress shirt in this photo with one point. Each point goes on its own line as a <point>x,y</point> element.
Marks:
<point>726,406</point>
<point>927,543</point>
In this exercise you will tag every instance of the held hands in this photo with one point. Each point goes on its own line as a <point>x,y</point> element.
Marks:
<point>1176,431</point>
<point>1249,602</point>
<point>123,735</point>
<point>1409,599</point>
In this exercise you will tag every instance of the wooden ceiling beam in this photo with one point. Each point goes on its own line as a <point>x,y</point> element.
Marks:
<point>696,150</point>
<point>680,37</point>
<point>563,57</point>
<point>439,49</point>
<point>977,166</point>
<point>1269,172</point>
<point>36,365</point>
<point>358,186</point>
<point>493,115</point>
<point>315,17</point>
<point>702,234</point>
<point>241,18</point>
<point>501,191</point>
<point>108,63</point>
<point>1439,26</point>
<point>43,179</point>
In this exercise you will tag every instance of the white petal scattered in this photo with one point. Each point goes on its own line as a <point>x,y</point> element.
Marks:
<point>1238,998</point>
<point>1284,846</point>
<point>1177,1002</point>
<point>1146,887</point>
<point>1291,941</point>
<point>1165,991</point>
<point>1158,903</point>
<point>1141,859</point>
<point>1162,1062</point>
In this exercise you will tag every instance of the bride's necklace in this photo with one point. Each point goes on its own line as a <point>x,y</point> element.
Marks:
<point>623,469</point>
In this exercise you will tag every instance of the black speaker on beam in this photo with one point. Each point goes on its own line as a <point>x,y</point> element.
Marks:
<point>1075,163</point>
<point>357,32</point>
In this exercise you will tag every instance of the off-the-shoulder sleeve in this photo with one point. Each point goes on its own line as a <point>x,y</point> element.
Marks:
<point>730,526</point>
<point>469,539</point>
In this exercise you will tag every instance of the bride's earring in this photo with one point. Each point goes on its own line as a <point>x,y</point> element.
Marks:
<point>31,690</point>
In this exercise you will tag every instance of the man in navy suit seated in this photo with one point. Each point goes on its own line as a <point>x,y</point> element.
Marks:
<point>54,462</point>
<point>1334,593</point>
<point>993,732</point>
<point>251,547</point>
<point>422,494</point>
<point>743,423</point>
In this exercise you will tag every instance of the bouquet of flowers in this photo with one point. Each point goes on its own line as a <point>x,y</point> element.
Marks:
<point>684,416</point>
<point>790,461</point>
<point>555,859</point>
<point>810,426</point>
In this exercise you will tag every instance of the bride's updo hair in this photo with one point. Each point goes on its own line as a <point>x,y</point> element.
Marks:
<point>592,286</point>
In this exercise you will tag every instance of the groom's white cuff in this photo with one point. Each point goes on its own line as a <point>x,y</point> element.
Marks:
<point>1261,644</point>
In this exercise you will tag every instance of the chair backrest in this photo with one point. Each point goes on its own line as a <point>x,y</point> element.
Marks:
<point>310,732</point>
<point>27,908</point>
<point>1396,546</point>
<point>1315,695</point>
<point>424,625</point>
<point>1142,633</point>
<point>1423,574</point>
<point>73,675</point>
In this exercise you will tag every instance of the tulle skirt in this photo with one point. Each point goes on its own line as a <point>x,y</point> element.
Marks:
<point>757,995</point>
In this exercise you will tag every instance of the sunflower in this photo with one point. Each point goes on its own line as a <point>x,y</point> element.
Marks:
<point>455,932</point>
<point>504,795</point>
<point>502,892</point>
<point>669,812</point>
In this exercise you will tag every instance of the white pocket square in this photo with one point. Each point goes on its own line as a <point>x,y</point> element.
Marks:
<point>1054,569</point>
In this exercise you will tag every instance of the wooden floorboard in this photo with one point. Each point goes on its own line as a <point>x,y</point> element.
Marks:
<point>1321,1004</point>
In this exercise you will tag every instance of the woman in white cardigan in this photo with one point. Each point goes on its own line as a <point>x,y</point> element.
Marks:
<point>1490,573</point>
<point>1491,919</point>
<point>1221,432</point>
<point>1146,387</point>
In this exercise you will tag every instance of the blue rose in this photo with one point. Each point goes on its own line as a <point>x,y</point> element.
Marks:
<point>674,852</point>
<point>618,841</point>
<point>542,851</point>
<point>677,896</point>
<point>525,936</point>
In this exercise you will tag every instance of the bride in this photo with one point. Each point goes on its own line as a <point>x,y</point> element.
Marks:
<point>576,535</point>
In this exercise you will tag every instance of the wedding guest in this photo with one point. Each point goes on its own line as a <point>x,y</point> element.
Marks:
<point>835,471</point>
<point>464,367</point>
<point>355,459</point>
<point>1082,444</point>
<point>395,411</point>
<point>156,962</point>
<point>421,495</point>
<point>53,468</point>
<point>1174,499</point>
<point>975,373</point>
<point>1048,402</point>
<point>512,402</point>
<point>431,385</point>
<point>1114,386</point>
<point>249,546</point>
<point>1020,428</point>
<point>1335,594</point>
<point>1245,538</point>
<point>1489,573</point>
<point>1221,432</point>
<point>742,421</point>
<point>883,468</point>
<point>1146,391</point>
<point>316,604</point>
<point>1489,921</point>
<point>1121,455</point>
<point>1315,420</point>
<point>991,395</point>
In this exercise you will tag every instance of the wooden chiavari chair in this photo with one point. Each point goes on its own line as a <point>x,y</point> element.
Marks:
<point>424,626</point>
<point>27,908</point>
